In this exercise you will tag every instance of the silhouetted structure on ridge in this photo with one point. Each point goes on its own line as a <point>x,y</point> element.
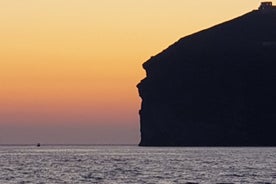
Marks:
<point>215,87</point>
<point>267,6</point>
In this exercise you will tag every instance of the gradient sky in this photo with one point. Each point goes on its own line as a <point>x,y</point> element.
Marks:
<point>69,68</point>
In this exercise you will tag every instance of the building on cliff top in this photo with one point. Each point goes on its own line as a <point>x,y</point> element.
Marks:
<point>267,6</point>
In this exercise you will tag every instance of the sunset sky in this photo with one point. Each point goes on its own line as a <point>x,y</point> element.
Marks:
<point>69,68</point>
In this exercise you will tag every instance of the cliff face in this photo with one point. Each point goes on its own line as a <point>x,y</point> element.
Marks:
<point>216,87</point>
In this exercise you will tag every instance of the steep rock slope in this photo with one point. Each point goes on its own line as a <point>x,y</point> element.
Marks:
<point>216,87</point>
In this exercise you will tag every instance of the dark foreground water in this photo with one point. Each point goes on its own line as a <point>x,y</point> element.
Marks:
<point>131,164</point>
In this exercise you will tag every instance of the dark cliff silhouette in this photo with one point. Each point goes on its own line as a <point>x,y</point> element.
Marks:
<point>216,87</point>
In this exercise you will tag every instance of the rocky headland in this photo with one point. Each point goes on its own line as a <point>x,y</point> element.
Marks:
<point>216,87</point>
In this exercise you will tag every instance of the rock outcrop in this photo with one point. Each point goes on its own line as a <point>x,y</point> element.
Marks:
<point>216,87</point>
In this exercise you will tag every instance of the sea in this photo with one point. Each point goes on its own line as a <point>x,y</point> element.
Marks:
<point>132,164</point>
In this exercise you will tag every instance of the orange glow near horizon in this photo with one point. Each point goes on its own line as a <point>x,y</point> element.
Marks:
<point>78,62</point>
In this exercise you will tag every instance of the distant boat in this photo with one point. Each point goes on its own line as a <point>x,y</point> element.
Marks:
<point>38,145</point>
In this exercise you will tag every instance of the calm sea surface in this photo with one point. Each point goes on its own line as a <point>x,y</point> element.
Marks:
<point>131,164</point>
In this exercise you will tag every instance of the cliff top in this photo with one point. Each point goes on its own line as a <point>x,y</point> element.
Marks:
<point>253,29</point>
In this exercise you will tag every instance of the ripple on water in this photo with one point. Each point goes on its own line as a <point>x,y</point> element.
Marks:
<point>103,164</point>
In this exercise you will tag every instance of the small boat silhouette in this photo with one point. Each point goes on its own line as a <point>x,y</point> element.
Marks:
<point>38,145</point>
